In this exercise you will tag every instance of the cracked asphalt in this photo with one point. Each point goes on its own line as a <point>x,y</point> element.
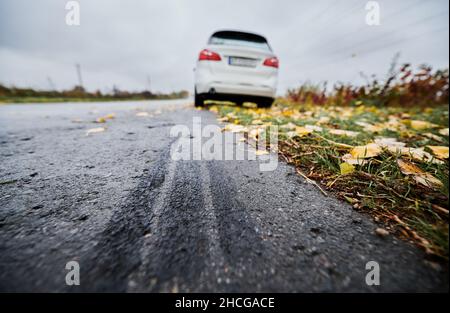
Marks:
<point>138,221</point>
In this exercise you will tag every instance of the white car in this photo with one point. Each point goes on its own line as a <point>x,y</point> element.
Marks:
<point>236,66</point>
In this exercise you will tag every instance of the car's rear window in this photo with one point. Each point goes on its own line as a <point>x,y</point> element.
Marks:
<point>239,39</point>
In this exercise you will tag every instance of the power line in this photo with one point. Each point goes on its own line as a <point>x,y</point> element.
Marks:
<point>317,16</point>
<point>393,43</point>
<point>383,35</point>
<point>334,20</point>
<point>340,38</point>
<point>376,39</point>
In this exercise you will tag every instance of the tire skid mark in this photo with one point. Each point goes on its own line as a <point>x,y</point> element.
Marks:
<point>139,280</point>
<point>241,244</point>
<point>177,257</point>
<point>108,264</point>
<point>210,215</point>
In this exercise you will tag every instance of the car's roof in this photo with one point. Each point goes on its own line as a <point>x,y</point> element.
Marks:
<point>237,33</point>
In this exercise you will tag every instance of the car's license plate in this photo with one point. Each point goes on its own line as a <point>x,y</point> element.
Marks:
<point>235,61</point>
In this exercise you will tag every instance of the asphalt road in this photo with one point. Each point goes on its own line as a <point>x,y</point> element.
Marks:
<point>136,220</point>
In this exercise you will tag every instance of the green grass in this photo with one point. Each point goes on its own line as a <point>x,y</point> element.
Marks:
<point>378,187</point>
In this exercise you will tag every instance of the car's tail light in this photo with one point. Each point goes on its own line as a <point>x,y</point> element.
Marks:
<point>273,62</point>
<point>208,55</point>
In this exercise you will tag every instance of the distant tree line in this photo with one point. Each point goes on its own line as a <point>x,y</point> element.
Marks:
<point>78,92</point>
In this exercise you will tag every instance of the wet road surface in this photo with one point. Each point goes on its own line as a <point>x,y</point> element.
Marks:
<point>138,221</point>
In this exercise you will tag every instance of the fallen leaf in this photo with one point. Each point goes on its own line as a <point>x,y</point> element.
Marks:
<point>350,200</point>
<point>346,168</point>
<point>302,131</point>
<point>418,154</point>
<point>368,151</point>
<point>440,152</point>
<point>342,132</point>
<point>103,119</point>
<point>314,128</point>
<point>235,128</point>
<point>385,142</point>
<point>95,130</point>
<point>223,119</point>
<point>110,116</point>
<point>443,132</point>
<point>381,232</point>
<point>291,134</point>
<point>257,122</point>
<point>348,158</point>
<point>420,125</point>
<point>289,126</point>
<point>323,120</point>
<point>254,133</point>
<point>261,152</point>
<point>369,127</point>
<point>433,136</point>
<point>418,174</point>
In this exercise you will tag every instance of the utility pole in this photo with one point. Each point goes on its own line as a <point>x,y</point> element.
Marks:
<point>50,83</point>
<point>80,81</point>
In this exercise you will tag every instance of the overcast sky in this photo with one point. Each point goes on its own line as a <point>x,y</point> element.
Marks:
<point>123,42</point>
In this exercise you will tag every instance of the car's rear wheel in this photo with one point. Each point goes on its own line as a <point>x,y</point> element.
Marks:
<point>265,103</point>
<point>198,100</point>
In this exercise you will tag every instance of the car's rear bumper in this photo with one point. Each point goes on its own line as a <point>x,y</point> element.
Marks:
<point>236,89</point>
<point>223,79</point>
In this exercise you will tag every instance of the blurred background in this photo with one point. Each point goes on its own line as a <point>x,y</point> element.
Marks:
<point>153,45</point>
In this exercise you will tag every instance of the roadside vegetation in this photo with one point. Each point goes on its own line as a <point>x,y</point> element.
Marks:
<point>382,147</point>
<point>28,95</point>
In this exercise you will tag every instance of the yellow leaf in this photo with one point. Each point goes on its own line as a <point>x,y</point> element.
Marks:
<point>235,128</point>
<point>261,152</point>
<point>288,113</point>
<point>104,118</point>
<point>110,116</point>
<point>351,200</point>
<point>419,176</point>
<point>421,125</point>
<point>368,151</point>
<point>346,168</point>
<point>222,119</point>
<point>302,131</point>
<point>257,122</point>
<point>440,152</point>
